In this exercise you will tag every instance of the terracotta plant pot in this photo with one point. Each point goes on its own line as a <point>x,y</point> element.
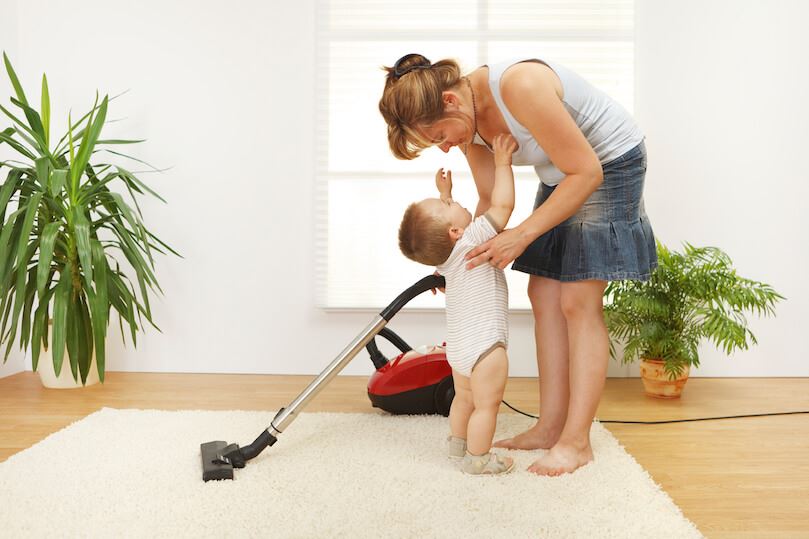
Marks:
<point>656,380</point>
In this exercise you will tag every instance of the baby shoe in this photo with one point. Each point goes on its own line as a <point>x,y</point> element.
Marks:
<point>488,464</point>
<point>456,447</point>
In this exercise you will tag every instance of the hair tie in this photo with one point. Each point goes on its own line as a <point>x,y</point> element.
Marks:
<point>399,71</point>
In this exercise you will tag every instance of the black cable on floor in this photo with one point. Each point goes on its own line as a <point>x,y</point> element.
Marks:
<point>671,420</point>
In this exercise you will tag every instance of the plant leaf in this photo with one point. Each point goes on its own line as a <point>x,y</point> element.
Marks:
<point>70,140</point>
<point>7,190</point>
<point>15,82</point>
<point>24,253</point>
<point>73,322</point>
<point>6,312</point>
<point>6,137</point>
<point>60,304</point>
<point>120,141</point>
<point>31,142</point>
<point>40,329</point>
<point>125,210</point>
<point>30,292</point>
<point>99,305</point>
<point>10,231</point>
<point>82,230</point>
<point>30,213</point>
<point>47,240</point>
<point>58,179</point>
<point>87,144</point>
<point>85,338</point>
<point>46,110</point>
<point>35,124</point>
<point>43,169</point>
<point>34,130</point>
<point>155,169</point>
<point>91,193</point>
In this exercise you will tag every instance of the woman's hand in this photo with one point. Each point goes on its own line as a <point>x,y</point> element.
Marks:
<point>443,182</point>
<point>499,251</point>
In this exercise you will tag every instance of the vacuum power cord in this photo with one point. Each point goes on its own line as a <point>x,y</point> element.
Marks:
<point>671,420</point>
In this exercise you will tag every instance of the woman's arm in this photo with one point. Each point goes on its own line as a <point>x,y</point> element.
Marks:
<point>531,93</point>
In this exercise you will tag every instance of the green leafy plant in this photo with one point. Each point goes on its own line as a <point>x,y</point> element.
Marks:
<point>64,229</point>
<point>691,296</point>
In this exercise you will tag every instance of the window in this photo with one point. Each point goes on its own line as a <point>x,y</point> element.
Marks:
<point>362,190</point>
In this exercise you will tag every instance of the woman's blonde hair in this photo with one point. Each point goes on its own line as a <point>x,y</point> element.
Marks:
<point>424,237</point>
<point>413,98</point>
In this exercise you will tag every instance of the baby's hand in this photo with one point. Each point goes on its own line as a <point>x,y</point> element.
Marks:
<point>504,146</point>
<point>444,183</point>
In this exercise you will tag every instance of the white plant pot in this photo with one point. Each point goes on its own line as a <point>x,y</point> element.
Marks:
<point>65,379</point>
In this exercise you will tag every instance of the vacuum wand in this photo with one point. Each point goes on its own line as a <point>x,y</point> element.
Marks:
<point>219,458</point>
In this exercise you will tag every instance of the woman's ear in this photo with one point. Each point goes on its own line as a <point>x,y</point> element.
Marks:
<point>450,100</point>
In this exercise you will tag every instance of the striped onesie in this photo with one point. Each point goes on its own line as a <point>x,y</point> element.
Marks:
<point>477,301</point>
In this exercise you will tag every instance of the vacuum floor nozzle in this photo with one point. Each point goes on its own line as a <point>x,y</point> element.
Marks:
<point>215,464</point>
<point>219,458</point>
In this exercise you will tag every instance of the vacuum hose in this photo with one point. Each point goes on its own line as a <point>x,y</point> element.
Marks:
<point>264,440</point>
<point>426,283</point>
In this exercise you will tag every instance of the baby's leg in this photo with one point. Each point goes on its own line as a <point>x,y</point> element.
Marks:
<point>462,405</point>
<point>488,381</point>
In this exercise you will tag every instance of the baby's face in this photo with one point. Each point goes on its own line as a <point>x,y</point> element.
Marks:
<point>449,210</point>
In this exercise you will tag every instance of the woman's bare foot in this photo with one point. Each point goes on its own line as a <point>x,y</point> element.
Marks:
<point>562,459</point>
<point>536,437</point>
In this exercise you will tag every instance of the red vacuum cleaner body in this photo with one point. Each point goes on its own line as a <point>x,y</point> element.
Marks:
<point>415,382</point>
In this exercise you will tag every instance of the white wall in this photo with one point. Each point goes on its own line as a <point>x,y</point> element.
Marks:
<point>721,94</point>
<point>224,94</point>
<point>8,43</point>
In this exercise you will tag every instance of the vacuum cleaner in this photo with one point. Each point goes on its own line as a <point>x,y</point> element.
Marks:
<point>415,382</point>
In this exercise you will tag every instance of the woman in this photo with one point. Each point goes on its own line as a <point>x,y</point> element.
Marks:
<point>588,226</point>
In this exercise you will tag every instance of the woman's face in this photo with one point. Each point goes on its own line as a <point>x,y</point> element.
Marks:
<point>450,132</point>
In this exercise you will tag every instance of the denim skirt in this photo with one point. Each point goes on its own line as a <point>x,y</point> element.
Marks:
<point>609,238</point>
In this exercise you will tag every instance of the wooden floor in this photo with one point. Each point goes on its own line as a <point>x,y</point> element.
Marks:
<point>739,478</point>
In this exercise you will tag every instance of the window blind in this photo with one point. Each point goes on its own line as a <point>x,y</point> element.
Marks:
<point>361,189</point>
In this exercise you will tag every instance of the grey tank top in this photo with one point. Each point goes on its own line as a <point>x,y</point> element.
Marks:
<point>606,125</point>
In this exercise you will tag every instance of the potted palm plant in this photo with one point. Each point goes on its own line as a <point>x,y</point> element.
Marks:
<point>692,295</point>
<point>63,236</point>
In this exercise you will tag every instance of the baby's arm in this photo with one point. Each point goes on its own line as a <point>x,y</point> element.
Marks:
<point>444,184</point>
<point>502,200</point>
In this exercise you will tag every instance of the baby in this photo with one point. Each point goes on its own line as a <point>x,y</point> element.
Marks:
<point>439,232</point>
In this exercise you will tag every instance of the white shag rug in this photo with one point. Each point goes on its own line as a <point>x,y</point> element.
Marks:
<point>137,473</point>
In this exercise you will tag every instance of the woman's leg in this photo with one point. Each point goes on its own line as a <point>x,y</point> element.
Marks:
<point>588,342</point>
<point>550,332</point>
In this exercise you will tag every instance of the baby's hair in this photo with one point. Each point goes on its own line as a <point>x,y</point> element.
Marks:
<point>413,98</point>
<point>423,237</point>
